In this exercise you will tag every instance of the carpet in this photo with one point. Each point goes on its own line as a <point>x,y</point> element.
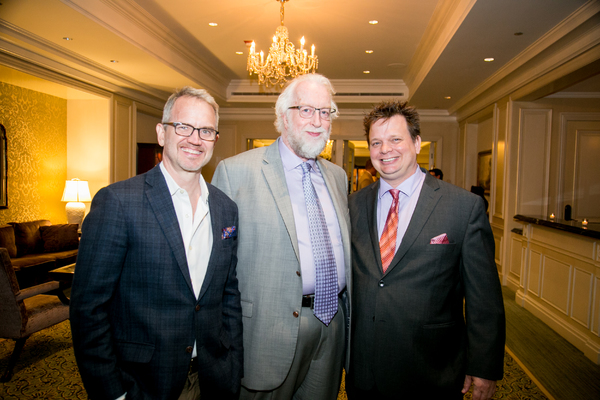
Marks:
<point>47,370</point>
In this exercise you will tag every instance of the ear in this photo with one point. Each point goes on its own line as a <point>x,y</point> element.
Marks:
<point>160,134</point>
<point>418,144</point>
<point>216,139</point>
<point>285,120</point>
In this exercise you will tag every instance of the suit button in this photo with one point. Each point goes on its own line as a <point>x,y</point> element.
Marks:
<point>298,273</point>
<point>189,349</point>
<point>296,315</point>
<point>197,308</point>
<point>381,284</point>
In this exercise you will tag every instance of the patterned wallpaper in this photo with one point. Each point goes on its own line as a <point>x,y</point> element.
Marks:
<point>36,131</point>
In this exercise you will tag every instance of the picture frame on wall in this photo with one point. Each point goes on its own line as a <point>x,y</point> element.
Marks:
<point>484,170</point>
<point>3,168</point>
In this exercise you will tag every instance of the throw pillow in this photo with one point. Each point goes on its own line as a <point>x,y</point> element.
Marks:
<point>28,238</point>
<point>7,240</point>
<point>59,237</point>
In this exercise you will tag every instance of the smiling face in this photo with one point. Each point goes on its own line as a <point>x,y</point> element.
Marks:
<point>393,152</point>
<point>184,155</point>
<point>307,137</point>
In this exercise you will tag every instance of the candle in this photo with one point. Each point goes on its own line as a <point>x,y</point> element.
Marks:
<point>584,222</point>
<point>552,216</point>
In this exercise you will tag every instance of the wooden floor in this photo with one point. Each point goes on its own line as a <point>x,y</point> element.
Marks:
<point>560,367</point>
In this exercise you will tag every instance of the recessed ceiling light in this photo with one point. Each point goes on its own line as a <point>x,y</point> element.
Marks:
<point>489,59</point>
<point>366,72</point>
<point>374,22</point>
<point>67,38</point>
<point>396,65</point>
<point>239,53</point>
<point>447,97</point>
<point>369,51</point>
<point>114,61</point>
<point>212,24</point>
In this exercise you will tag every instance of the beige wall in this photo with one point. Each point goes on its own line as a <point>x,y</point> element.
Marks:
<point>88,142</point>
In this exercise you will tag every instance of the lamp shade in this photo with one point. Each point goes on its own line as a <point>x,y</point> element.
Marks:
<point>76,190</point>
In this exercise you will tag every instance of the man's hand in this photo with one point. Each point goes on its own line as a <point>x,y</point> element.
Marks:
<point>483,389</point>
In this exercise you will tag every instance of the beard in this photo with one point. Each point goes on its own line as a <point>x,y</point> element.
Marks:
<point>305,146</point>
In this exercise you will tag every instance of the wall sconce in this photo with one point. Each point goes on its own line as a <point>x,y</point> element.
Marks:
<point>75,192</point>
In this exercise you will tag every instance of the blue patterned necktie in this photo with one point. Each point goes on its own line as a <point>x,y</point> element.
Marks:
<point>326,286</point>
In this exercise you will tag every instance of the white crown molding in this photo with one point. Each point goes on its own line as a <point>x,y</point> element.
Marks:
<point>43,67</point>
<point>535,61</point>
<point>120,82</point>
<point>347,91</point>
<point>131,22</point>
<point>446,19</point>
<point>574,95</point>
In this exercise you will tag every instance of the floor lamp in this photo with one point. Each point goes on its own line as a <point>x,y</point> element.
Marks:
<point>75,192</point>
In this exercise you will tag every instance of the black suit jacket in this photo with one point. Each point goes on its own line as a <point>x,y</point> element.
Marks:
<point>408,329</point>
<point>134,316</point>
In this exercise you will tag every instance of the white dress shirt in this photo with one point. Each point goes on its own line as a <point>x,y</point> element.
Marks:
<point>410,190</point>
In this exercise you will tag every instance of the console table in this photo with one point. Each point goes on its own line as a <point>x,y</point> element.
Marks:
<point>557,266</point>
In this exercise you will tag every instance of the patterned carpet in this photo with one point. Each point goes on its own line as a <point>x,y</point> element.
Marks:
<point>47,370</point>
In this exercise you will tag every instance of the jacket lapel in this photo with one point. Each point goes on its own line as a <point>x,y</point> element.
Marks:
<point>157,193</point>
<point>275,176</point>
<point>428,199</point>
<point>371,213</point>
<point>217,224</point>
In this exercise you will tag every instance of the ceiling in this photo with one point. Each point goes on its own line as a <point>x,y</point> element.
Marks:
<point>429,52</point>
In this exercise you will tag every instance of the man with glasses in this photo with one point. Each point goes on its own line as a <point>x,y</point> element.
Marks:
<point>155,306</point>
<point>294,251</point>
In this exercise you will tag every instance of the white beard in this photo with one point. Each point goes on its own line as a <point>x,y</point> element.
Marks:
<point>306,147</point>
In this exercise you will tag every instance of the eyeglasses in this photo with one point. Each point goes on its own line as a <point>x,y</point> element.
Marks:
<point>308,111</point>
<point>181,129</point>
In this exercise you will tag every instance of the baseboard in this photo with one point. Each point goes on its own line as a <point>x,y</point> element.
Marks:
<point>578,339</point>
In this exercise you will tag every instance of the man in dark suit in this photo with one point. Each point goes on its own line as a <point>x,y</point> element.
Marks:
<point>420,247</point>
<point>155,306</point>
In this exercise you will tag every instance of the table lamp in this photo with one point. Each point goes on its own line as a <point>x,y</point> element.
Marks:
<point>75,192</point>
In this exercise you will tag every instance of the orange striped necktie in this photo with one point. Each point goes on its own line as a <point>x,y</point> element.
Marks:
<point>387,243</point>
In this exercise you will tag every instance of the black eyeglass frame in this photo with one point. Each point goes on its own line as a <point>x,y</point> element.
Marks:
<point>331,112</point>
<point>176,124</point>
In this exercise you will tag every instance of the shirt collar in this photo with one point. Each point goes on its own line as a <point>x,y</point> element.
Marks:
<point>290,160</point>
<point>174,187</point>
<point>407,187</point>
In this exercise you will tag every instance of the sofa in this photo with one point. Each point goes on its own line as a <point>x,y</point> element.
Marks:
<point>37,247</point>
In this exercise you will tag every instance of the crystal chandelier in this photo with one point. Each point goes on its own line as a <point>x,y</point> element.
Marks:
<point>283,59</point>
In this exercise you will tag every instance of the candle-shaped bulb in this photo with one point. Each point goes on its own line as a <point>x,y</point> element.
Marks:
<point>312,51</point>
<point>261,57</point>
<point>302,43</point>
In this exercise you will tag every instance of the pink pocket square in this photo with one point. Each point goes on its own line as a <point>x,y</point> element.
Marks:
<point>440,239</point>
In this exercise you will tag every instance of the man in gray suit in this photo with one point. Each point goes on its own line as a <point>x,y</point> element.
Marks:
<point>291,347</point>
<point>420,246</point>
<point>155,306</point>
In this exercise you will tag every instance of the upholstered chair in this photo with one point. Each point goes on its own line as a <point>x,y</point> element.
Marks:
<point>26,311</point>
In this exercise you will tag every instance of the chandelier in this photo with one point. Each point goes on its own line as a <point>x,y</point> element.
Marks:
<point>283,59</point>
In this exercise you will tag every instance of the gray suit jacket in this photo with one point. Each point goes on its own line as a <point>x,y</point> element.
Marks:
<point>268,259</point>
<point>134,315</point>
<point>408,328</point>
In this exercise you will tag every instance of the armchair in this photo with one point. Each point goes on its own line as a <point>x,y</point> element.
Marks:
<point>24,312</point>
